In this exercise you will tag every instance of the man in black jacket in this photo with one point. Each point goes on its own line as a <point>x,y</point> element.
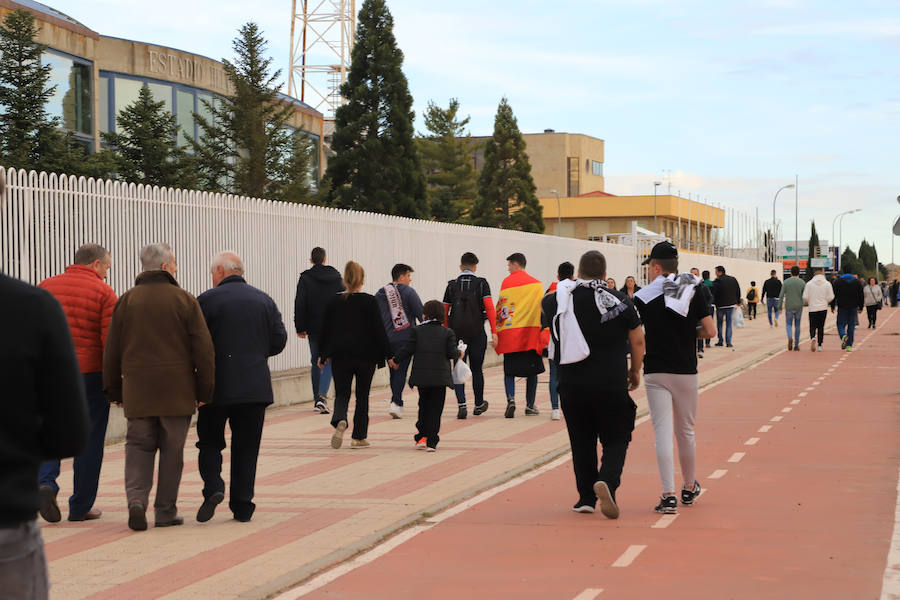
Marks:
<point>246,329</point>
<point>727,295</point>
<point>315,288</point>
<point>849,301</point>
<point>770,293</point>
<point>45,418</point>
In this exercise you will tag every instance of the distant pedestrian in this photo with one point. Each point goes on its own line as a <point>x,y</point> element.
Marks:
<point>519,333</point>
<point>849,301</point>
<point>610,283</point>
<point>752,300</point>
<point>401,309</point>
<point>594,384</point>
<point>770,293</point>
<point>630,287</point>
<point>705,291</point>
<point>467,305</point>
<point>315,289</point>
<point>727,295</point>
<point>246,329</point>
<point>674,313</point>
<point>817,294</point>
<point>873,300</point>
<point>564,272</point>
<point>88,303</point>
<point>159,345</point>
<point>708,287</point>
<point>894,292</point>
<point>433,346</point>
<point>354,341</point>
<point>791,299</point>
<point>45,417</point>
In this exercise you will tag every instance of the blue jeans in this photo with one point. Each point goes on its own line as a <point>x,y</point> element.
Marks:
<point>321,378</point>
<point>509,382</point>
<point>724,313</point>
<point>398,377</point>
<point>475,357</point>
<point>792,317</point>
<point>554,385</point>
<point>772,305</point>
<point>846,323</point>
<point>86,466</point>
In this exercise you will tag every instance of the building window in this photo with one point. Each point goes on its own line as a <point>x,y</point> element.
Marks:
<point>72,100</point>
<point>572,181</point>
<point>184,117</point>
<point>103,92</point>
<point>596,168</point>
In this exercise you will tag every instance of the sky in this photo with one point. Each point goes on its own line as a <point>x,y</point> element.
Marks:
<point>728,101</point>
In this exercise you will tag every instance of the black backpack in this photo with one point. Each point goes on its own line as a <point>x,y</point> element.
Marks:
<point>751,295</point>
<point>466,318</point>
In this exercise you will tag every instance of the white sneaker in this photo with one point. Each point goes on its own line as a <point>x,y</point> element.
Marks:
<point>555,414</point>
<point>819,349</point>
<point>396,411</point>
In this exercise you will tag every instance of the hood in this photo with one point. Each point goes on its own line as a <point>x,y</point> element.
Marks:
<point>323,274</point>
<point>848,277</point>
<point>818,280</point>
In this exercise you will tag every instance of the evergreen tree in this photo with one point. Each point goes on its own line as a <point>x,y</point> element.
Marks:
<point>291,174</point>
<point>813,249</point>
<point>849,262</point>
<point>376,166</point>
<point>506,191</point>
<point>447,163</point>
<point>144,149</point>
<point>247,126</point>
<point>868,258</point>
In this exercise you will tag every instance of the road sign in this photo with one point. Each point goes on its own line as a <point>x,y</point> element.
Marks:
<point>820,262</point>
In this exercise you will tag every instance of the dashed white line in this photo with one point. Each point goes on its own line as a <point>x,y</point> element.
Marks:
<point>809,389</point>
<point>795,401</point>
<point>589,594</point>
<point>764,429</point>
<point>736,457</point>
<point>786,409</point>
<point>629,555</point>
<point>718,474</point>
<point>664,522</point>
<point>803,394</point>
<point>751,442</point>
<point>776,419</point>
<point>816,382</point>
<point>822,378</point>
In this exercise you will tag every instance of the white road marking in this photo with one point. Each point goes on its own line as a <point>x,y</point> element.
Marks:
<point>736,457</point>
<point>751,442</point>
<point>664,522</point>
<point>803,394</point>
<point>776,419</point>
<point>822,378</point>
<point>718,474</point>
<point>589,594</point>
<point>816,382</point>
<point>786,409</point>
<point>890,588</point>
<point>795,401</point>
<point>629,555</point>
<point>764,429</point>
<point>809,389</point>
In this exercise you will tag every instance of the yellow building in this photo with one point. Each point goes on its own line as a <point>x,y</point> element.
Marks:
<point>594,215</point>
<point>96,76</point>
<point>570,163</point>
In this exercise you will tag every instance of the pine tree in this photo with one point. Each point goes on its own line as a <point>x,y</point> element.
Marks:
<point>247,126</point>
<point>849,262</point>
<point>506,190</point>
<point>813,248</point>
<point>144,149</point>
<point>868,258</point>
<point>447,163</point>
<point>291,174</point>
<point>376,166</point>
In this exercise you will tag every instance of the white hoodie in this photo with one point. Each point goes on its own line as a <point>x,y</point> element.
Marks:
<point>818,293</point>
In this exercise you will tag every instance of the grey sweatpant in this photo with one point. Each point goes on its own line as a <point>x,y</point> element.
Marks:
<point>673,409</point>
<point>23,567</point>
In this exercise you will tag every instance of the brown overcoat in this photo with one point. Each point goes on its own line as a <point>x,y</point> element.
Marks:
<point>159,359</point>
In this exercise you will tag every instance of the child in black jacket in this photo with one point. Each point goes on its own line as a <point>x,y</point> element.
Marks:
<point>433,347</point>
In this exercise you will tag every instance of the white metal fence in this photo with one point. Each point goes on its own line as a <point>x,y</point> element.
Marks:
<point>46,217</point>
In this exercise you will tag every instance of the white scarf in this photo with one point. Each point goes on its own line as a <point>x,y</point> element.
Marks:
<point>565,333</point>
<point>395,306</point>
<point>677,289</point>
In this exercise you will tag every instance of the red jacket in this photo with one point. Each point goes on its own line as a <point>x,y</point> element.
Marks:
<point>88,303</point>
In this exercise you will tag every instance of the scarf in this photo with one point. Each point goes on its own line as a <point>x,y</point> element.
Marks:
<point>395,306</point>
<point>567,343</point>
<point>678,290</point>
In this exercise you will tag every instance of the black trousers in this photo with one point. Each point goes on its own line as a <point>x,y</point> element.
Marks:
<point>431,405</point>
<point>344,371</point>
<point>873,314</point>
<point>751,310</point>
<point>593,415</point>
<point>474,355</point>
<point>817,325</point>
<point>246,424</point>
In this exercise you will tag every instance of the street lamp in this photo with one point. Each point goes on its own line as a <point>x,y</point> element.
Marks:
<point>840,219</point>
<point>656,184</point>
<point>772,237</point>
<point>558,214</point>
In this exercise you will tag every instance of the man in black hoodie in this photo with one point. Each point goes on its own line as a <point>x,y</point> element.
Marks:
<point>316,287</point>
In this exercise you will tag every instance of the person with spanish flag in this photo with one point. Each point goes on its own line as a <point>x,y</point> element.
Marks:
<point>520,339</point>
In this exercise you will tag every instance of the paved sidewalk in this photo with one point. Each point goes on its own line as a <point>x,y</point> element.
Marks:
<point>316,506</point>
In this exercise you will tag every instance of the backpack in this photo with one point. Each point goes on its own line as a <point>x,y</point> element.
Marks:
<point>466,318</point>
<point>751,295</point>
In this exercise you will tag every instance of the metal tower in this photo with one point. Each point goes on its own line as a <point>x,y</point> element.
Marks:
<point>322,35</point>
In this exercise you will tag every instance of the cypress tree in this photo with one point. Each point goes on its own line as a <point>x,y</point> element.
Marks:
<point>813,246</point>
<point>447,163</point>
<point>376,166</point>
<point>506,190</point>
<point>868,258</point>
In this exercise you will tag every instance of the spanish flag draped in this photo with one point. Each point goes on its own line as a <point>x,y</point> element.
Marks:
<point>519,314</point>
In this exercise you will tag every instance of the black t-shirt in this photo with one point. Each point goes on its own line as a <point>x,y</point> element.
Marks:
<point>606,368</point>
<point>671,338</point>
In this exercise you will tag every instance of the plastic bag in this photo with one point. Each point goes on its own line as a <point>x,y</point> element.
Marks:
<point>461,372</point>
<point>738,318</point>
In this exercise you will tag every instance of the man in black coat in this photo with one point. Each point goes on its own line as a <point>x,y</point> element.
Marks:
<point>246,329</point>
<point>44,418</point>
<point>315,289</point>
<point>727,295</point>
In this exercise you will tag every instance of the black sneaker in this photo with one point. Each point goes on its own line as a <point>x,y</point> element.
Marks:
<point>480,408</point>
<point>718,344</point>
<point>688,496</point>
<point>510,409</point>
<point>583,507</point>
<point>729,345</point>
<point>462,412</point>
<point>322,406</point>
<point>531,410</point>
<point>668,505</point>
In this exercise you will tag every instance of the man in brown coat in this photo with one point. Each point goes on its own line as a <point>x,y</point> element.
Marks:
<point>159,365</point>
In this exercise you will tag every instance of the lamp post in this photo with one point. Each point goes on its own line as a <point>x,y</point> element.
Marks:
<point>772,237</point>
<point>840,219</point>
<point>656,184</point>
<point>558,214</point>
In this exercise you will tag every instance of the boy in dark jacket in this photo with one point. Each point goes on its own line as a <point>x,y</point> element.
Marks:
<point>433,346</point>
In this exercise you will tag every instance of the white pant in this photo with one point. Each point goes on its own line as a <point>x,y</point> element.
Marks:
<point>673,408</point>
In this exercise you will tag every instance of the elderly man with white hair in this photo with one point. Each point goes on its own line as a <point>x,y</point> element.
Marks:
<point>246,329</point>
<point>159,365</point>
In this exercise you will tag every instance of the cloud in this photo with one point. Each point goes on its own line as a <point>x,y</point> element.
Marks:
<point>865,28</point>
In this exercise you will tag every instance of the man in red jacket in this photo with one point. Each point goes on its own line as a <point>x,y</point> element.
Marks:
<point>88,303</point>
